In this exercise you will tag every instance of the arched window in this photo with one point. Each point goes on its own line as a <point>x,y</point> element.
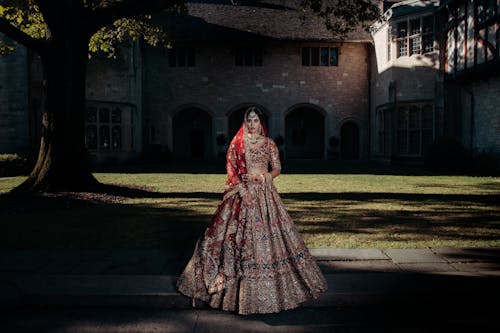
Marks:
<point>116,137</point>
<point>91,137</point>
<point>103,128</point>
<point>104,143</point>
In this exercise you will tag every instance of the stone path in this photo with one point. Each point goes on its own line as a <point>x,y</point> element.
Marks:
<point>146,277</point>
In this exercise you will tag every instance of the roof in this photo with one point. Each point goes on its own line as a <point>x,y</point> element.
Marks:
<point>251,20</point>
<point>403,8</point>
<point>412,6</point>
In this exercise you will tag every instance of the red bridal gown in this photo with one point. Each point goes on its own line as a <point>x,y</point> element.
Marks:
<point>251,259</point>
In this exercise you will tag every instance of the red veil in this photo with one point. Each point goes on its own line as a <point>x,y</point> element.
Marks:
<point>236,162</point>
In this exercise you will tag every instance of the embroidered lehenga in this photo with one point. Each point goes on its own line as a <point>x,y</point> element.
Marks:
<point>251,259</point>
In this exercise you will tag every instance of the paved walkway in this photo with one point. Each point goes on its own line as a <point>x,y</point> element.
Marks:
<point>356,277</point>
<point>300,320</point>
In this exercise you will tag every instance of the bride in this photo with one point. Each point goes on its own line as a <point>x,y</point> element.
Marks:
<point>251,259</point>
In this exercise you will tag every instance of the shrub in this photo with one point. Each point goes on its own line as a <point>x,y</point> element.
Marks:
<point>15,165</point>
<point>154,153</point>
<point>485,164</point>
<point>447,155</point>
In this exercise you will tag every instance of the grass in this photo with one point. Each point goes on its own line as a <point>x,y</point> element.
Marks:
<point>360,210</point>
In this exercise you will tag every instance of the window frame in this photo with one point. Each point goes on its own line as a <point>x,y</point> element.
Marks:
<point>313,57</point>
<point>408,130</point>
<point>182,56</point>
<point>107,127</point>
<point>413,41</point>
<point>250,56</point>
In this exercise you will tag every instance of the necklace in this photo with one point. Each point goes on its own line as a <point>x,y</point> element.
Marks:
<point>253,140</point>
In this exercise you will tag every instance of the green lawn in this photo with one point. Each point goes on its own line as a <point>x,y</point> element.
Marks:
<point>330,210</point>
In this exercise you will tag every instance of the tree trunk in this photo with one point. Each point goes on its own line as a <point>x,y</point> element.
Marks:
<point>62,163</point>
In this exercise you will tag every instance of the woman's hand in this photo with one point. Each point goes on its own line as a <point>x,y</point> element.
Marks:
<point>258,179</point>
<point>253,178</point>
<point>245,177</point>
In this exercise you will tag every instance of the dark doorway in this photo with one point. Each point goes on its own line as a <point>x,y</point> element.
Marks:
<point>304,133</point>
<point>349,141</point>
<point>192,133</point>
<point>197,143</point>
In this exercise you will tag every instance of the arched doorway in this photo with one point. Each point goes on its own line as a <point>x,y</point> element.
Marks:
<point>192,133</point>
<point>236,118</point>
<point>349,141</point>
<point>304,133</point>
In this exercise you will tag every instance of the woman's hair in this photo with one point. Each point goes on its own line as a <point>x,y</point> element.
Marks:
<point>257,111</point>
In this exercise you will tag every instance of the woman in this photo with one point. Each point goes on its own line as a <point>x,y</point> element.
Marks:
<point>251,259</point>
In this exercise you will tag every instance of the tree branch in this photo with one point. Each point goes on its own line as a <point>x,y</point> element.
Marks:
<point>15,34</point>
<point>104,16</point>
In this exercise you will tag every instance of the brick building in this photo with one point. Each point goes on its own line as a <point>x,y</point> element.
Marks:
<point>385,95</point>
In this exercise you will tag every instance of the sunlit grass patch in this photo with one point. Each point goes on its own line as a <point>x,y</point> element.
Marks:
<point>330,210</point>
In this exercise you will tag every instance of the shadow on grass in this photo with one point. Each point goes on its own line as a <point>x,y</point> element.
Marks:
<point>289,167</point>
<point>104,219</point>
<point>110,193</point>
<point>98,219</point>
<point>456,217</point>
<point>493,199</point>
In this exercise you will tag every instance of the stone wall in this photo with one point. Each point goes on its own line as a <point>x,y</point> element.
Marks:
<point>486,124</point>
<point>14,106</point>
<point>281,85</point>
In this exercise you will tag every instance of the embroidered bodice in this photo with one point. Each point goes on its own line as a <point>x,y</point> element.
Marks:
<point>259,156</point>
<point>254,160</point>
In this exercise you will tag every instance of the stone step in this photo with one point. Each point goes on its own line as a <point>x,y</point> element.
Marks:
<point>345,289</point>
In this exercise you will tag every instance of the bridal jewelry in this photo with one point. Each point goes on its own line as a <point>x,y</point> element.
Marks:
<point>253,140</point>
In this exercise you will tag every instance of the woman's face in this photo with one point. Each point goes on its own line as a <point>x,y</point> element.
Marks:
<point>253,123</point>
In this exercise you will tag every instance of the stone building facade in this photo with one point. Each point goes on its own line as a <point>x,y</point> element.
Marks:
<point>383,95</point>
<point>15,129</point>
<point>407,102</point>
<point>311,87</point>
<point>304,104</point>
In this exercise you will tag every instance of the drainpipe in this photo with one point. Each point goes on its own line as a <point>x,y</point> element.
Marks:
<point>394,130</point>
<point>369,69</point>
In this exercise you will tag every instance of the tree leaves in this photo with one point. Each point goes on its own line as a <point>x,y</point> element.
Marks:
<point>341,16</point>
<point>26,16</point>
<point>107,38</point>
